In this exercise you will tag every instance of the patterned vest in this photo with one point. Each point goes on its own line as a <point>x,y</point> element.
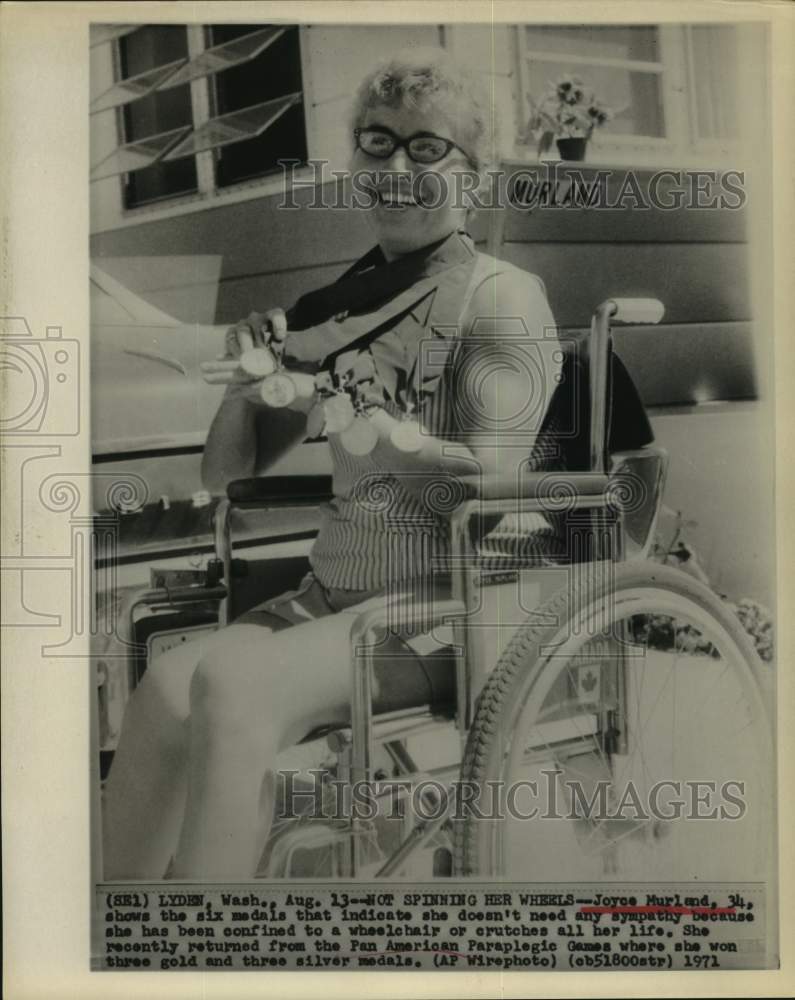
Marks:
<point>375,534</point>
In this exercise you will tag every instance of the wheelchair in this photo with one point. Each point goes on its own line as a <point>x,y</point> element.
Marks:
<point>611,720</point>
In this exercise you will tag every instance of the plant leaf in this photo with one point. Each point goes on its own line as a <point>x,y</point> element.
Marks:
<point>545,142</point>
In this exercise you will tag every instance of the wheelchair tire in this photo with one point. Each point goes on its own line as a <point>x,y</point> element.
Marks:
<point>696,713</point>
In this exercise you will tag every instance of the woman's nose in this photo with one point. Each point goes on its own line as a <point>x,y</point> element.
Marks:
<point>399,161</point>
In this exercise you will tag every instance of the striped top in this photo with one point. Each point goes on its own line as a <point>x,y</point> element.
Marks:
<point>375,534</point>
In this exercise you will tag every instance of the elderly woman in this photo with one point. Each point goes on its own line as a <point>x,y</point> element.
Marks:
<point>191,790</point>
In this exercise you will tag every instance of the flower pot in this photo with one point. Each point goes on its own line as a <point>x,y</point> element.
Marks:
<point>572,148</point>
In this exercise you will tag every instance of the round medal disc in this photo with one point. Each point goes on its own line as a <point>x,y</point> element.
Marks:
<point>360,438</point>
<point>257,362</point>
<point>406,436</point>
<point>316,421</point>
<point>339,413</point>
<point>363,368</point>
<point>304,384</point>
<point>277,390</point>
<point>324,382</point>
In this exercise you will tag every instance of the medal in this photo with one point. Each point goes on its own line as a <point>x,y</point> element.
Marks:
<point>277,390</point>
<point>258,362</point>
<point>324,382</point>
<point>407,436</point>
<point>339,413</point>
<point>316,422</point>
<point>363,369</point>
<point>360,437</point>
<point>304,384</point>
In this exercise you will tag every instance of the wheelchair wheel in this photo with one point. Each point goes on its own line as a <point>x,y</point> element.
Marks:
<point>640,707</point>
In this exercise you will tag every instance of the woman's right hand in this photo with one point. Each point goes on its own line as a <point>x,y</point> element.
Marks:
<point>258,330</point>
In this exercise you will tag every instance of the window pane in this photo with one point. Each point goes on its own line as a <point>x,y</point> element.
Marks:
<point>234,127</point>
<point>222,33</point>
<point>159,112</point>
<point>222,57</point>
<point>136,155</point>
<point>137,86</point>
<point>274,73</point>
<point>99,33</point>
<point>152,45</point>
<point>636,97</point>
<point>637,42</point>
<point>164,180</point>
<point>284,140</point>
<point>714,61</point>
<point>146,49</point>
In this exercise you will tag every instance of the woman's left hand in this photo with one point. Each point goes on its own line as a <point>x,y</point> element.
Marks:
<point>259,330</point>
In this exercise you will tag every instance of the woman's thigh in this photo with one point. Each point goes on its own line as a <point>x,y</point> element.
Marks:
<point>291,681</point>
<point>298,678</point>
<point>293,677</point>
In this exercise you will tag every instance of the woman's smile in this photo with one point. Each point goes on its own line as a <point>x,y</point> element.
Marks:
<point>388,199</point>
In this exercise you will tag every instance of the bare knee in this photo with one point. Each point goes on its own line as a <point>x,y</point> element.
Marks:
<point>234,701</point>
<point>165,686</point>
<point>168,677</point>
<point>258,690</point>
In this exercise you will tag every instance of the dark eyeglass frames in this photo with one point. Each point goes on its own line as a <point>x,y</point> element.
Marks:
<point>422,147</point>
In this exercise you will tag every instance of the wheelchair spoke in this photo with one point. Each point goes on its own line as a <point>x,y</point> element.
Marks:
<point>687,712</point>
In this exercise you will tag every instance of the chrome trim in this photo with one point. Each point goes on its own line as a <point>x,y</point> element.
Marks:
<point>598,375</point>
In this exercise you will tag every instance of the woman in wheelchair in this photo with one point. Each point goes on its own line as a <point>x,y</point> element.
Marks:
<point>463,350</point>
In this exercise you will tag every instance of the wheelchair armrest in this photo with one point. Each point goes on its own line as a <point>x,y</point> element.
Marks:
<point>283,491</point>
<point>536,486</point>
<point>404,612</point>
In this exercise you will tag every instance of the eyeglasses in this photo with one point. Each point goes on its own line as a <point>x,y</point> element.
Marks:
<point>422,147</point>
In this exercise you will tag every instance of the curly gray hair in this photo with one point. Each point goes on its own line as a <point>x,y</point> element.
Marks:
<point>428,77</point>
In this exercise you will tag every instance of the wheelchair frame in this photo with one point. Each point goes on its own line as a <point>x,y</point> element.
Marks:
<point>592,492</point>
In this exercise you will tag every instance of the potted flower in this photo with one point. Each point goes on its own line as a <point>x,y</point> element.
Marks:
<point>568,112</point>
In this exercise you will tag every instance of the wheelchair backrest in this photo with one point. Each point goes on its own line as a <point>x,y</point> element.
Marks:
<point>636,467</point>
<point>628,427</point>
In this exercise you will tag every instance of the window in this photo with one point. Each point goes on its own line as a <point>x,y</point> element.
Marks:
<point>157,113</point>
<point>713,60</point>
<point>676,90</point>
<point>201,108</point>
<point>273,75</point>
<point>621,64</point>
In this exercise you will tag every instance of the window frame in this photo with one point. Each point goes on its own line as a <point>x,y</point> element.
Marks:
<point>716,148</point>
<point>202,96</point>
<point>679,146</point>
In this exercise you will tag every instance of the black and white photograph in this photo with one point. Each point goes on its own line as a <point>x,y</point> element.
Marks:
<point>423,578</point>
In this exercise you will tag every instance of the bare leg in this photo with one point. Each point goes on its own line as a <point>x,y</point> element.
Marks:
<point>144,795</point>
<point>245,708</point>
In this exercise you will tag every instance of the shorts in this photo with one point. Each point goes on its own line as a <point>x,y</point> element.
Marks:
<point>403,678</point>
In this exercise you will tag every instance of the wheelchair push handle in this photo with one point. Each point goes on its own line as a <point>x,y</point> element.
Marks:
<point>618,311</point>
<point>634,312</point>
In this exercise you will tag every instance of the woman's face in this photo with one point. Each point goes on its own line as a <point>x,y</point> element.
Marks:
<point>417,203</point>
